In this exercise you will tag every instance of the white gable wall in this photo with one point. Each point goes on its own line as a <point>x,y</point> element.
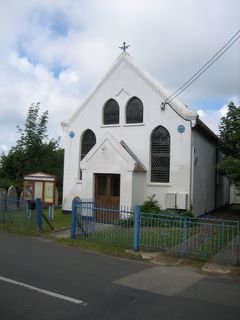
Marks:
<point>108,157</point>
<point>121,85</point>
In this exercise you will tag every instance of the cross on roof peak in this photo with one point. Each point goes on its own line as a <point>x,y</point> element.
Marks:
<point>124,46</point>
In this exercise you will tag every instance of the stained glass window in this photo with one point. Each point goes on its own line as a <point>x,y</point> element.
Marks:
<point>88,141</point>
<point>111,112</point>
<point>134,111</point>
<point>160,155</point>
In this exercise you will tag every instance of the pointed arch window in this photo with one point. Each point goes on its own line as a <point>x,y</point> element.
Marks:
<point>134,111</point>
<point>88,141</point>
<point>160,155</point>
<point>111,112</point>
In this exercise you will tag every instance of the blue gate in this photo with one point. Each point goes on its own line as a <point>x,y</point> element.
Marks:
<point>106,225</point>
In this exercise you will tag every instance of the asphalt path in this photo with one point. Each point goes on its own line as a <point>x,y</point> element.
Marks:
<point>43,280</point>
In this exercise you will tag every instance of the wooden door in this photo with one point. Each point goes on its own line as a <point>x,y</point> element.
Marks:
<point>107,195</point>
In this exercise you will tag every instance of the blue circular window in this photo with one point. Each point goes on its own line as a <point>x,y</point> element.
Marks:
<point>180,128</point>
<point>71,134</point>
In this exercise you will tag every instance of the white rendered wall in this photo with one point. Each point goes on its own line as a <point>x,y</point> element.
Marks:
<point>107,159</point>
<point>204,179</point>
<point>223,196</point>
<point>123,84</point>
<point>138,185</point>
<point>234,194</point>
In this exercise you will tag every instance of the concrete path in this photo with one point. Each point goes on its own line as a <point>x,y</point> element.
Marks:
<point>231,212</point>
<point>167,281</point>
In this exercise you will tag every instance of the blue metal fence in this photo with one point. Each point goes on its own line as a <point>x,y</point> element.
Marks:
<point>106,225</point>
<point>191,237</point>
<point>14,211</point>
<point>20,213</point>
<point>176,235</point>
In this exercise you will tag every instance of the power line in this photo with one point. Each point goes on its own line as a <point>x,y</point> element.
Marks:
<point>203,68</point>
<point>205,65</point>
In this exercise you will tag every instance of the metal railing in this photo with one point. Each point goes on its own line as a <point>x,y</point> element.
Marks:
<point>191,237</point>
<point>105,225</point>
<point>177,235</point>
<point>15,212</point>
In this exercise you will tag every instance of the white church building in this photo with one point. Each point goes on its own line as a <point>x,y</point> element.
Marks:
<point>122,146</point>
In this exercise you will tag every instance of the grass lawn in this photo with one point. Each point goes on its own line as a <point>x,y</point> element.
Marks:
<point>60,221</point>
<point>18,222</point>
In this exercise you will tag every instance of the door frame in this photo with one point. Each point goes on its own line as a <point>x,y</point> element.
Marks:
<point>114,200</point>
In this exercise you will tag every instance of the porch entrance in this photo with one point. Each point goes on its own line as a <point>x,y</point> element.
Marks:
<point>107,195</point>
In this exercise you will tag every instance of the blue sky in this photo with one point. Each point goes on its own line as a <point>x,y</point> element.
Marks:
<point>56,51</point>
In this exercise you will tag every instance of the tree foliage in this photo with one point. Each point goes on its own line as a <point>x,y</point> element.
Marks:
<point>229,143</point>
<point>33,151</point>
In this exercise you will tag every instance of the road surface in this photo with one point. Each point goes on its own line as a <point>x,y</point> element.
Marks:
<point>43,280</point>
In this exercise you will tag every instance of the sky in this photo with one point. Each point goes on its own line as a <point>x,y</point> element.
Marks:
<point>56,51</point>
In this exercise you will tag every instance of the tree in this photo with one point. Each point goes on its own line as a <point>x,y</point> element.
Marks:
<point>33,151</point>
<point>229,143</point>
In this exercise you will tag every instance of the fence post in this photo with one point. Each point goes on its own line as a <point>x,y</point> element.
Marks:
<point>39,214</point>
<point>4,209</point>
<point>136,231</point>
<point>223,232</point>
<point>184,236</point>
<point>74,218</point>
<point>238,244</point>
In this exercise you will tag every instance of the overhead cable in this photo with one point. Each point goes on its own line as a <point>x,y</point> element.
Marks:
<point>207,65</point>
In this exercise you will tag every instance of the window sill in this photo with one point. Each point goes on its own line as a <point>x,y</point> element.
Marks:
<point>159,184</point>
<point>109,125</point>
<point>134,125</point>
<point>79,181</point>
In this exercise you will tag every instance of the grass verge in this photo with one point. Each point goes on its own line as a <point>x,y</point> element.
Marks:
<point>99,248</point>
<point>18,222</point>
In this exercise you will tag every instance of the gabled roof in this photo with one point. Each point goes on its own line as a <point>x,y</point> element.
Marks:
<point>124,57</point>
<point>131,160</point>
<point>139,167</point>
<point>39,176</point>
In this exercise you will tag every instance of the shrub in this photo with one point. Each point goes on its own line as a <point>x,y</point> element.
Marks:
<point>151,205</point>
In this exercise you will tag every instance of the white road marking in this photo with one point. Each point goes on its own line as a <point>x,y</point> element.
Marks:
<point>49,293</point>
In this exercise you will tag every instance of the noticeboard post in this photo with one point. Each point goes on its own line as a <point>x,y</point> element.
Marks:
<point>40,185</point>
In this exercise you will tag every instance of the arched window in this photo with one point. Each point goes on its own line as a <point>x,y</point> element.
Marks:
<point>160,155</point>
<point>88,141</point>
<point>111,112</point>
<point>134,111</point>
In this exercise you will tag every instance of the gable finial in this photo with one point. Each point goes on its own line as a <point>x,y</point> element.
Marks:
<point>124,47</point>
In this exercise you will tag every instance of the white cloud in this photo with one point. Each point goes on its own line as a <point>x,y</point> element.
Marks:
<point>223,111</point>
<point>201,113</point>
<point>21,64</point>
<point>69,76</point>
<point>212,117</point>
